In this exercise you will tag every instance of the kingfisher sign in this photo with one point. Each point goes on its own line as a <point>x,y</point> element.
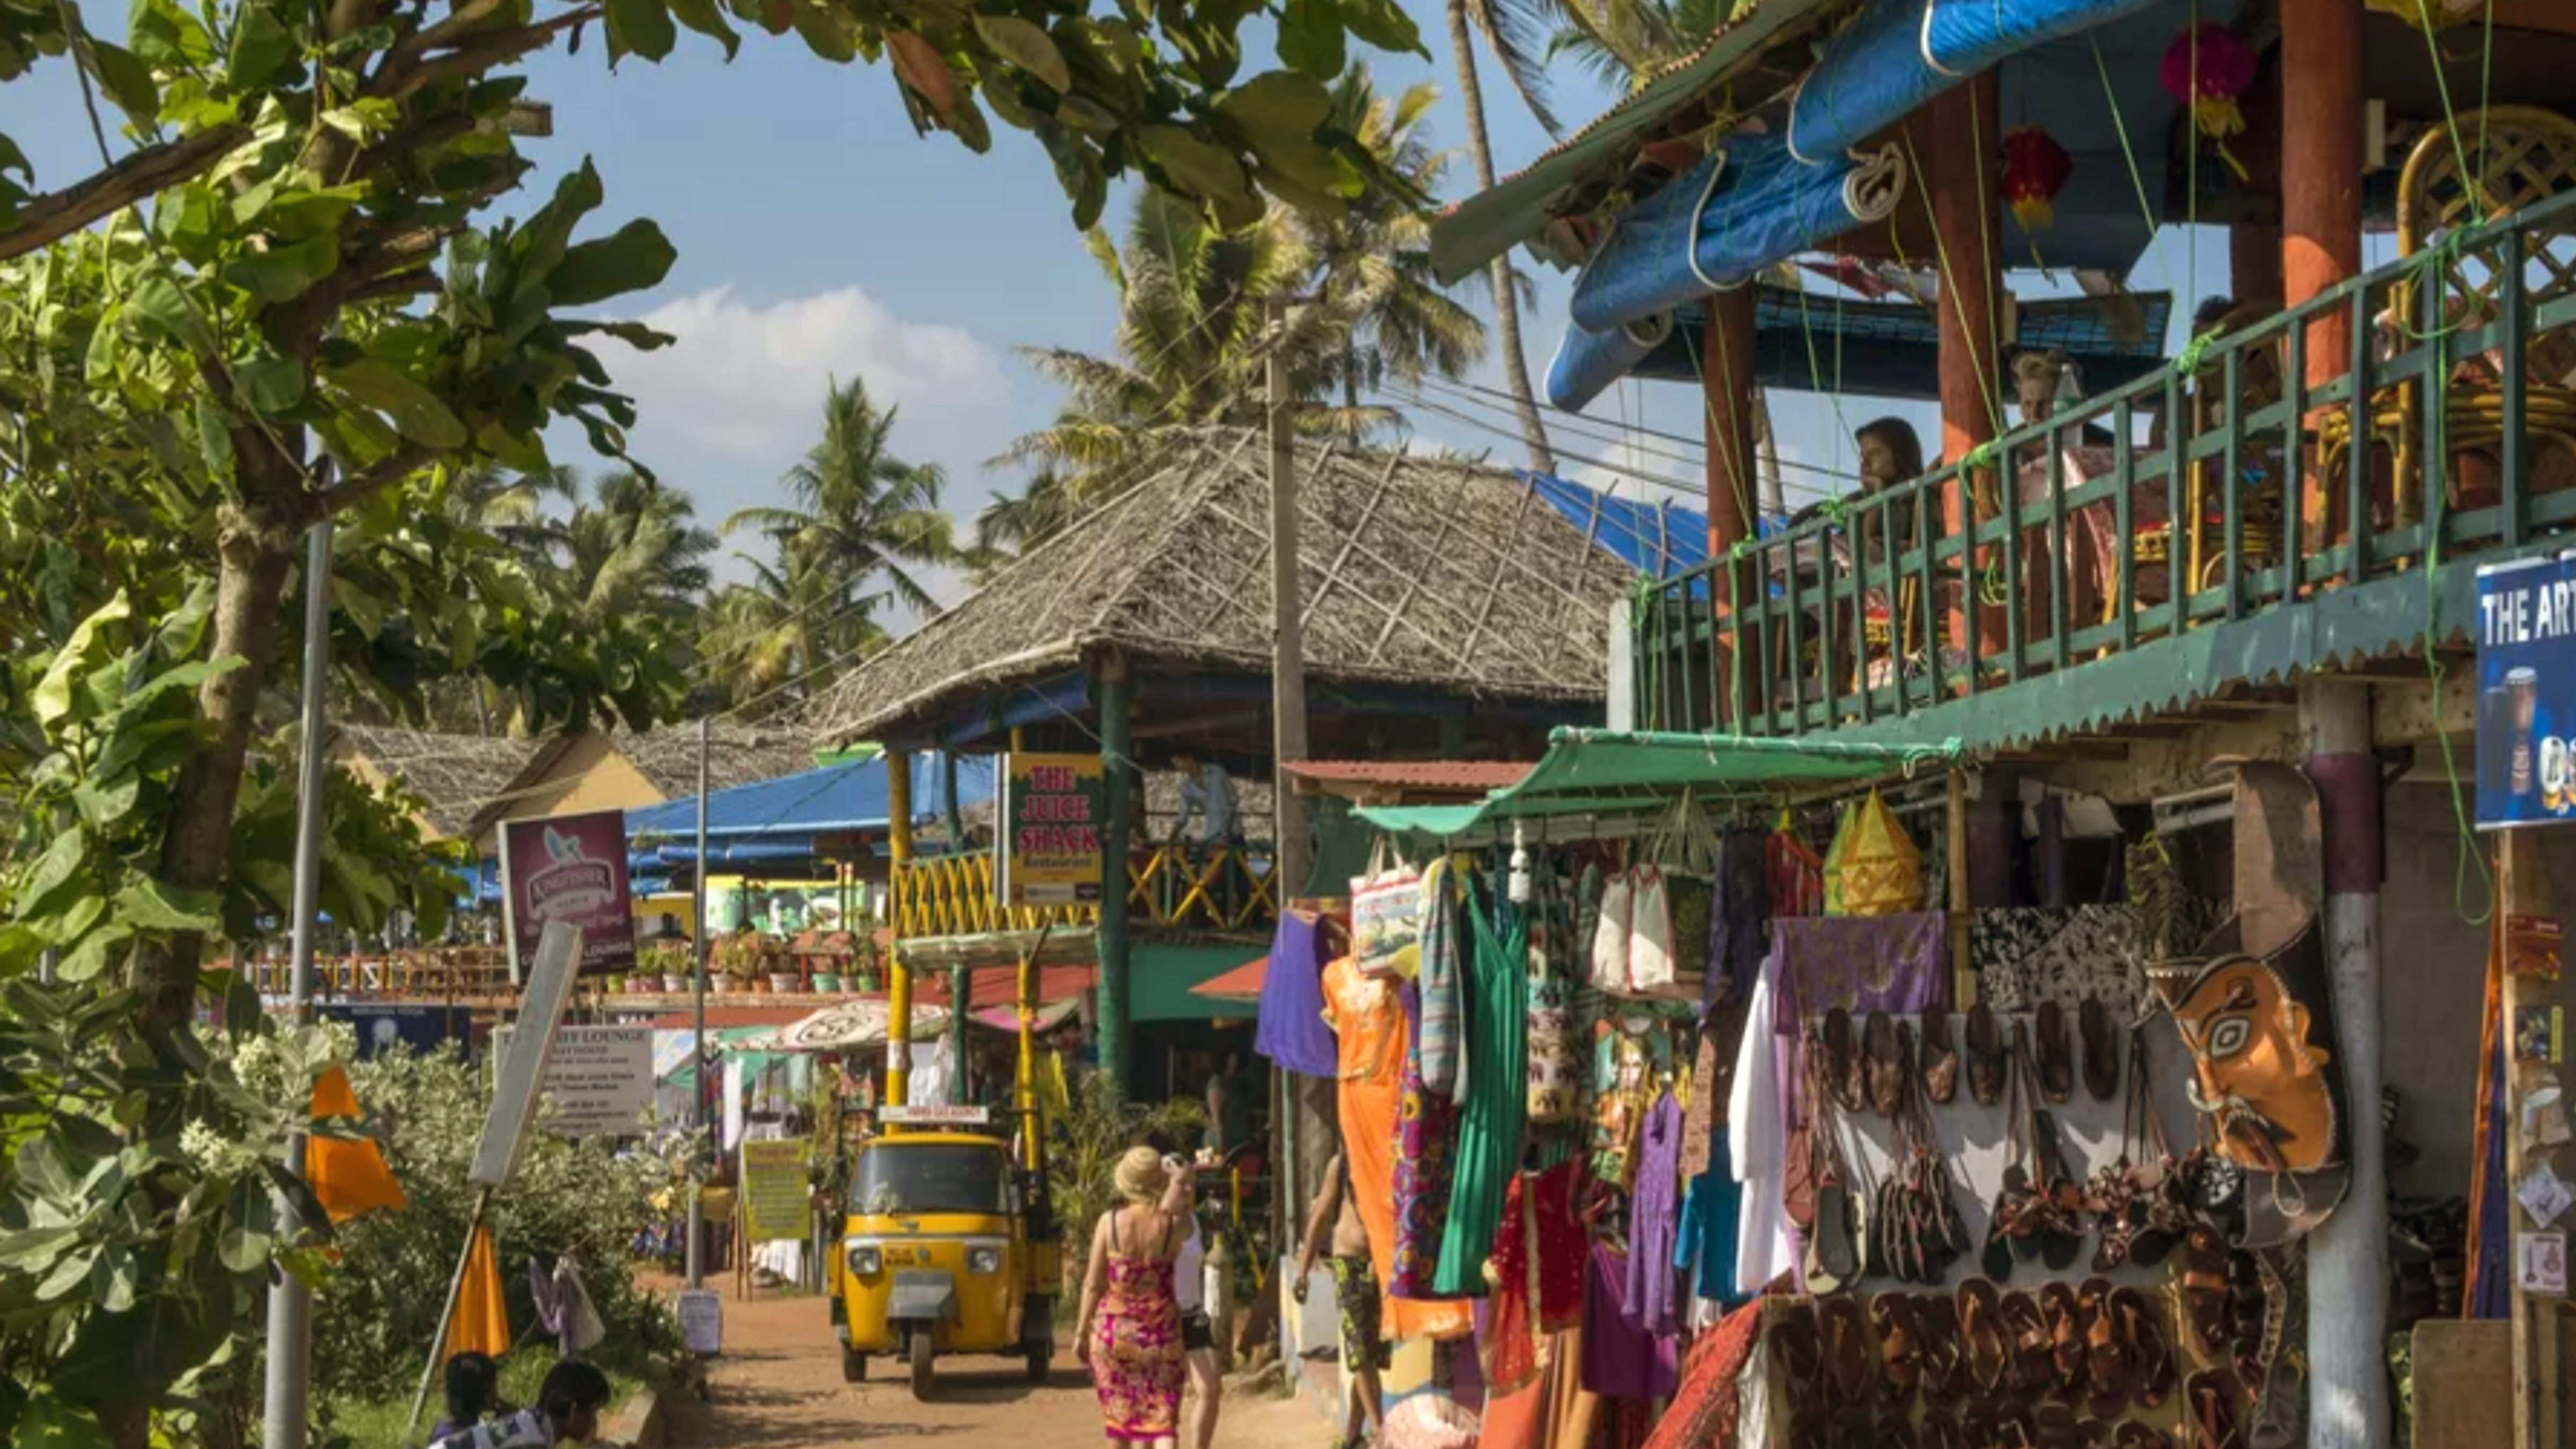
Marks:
<point>569,868</point>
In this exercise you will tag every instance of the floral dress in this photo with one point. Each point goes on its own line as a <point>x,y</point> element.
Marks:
<point>1136,1349</point>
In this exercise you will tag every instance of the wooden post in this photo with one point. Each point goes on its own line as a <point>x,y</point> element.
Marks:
<point>2321,121</point>
<point>1963,980</point>
<point>1962,129</point>
<point>1734,471</point>
<point>2522,889</point>
<point>898,975</point>
<point>1116,693</point>
<point>1289,853</point>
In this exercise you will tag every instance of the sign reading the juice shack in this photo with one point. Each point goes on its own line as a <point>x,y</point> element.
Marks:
<point>1052,812</point>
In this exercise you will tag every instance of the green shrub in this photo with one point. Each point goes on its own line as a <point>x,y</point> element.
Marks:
<point>372,1329</point>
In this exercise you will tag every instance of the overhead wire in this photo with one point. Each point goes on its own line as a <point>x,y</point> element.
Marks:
<point>1503,401</point>
<point>1466,396</point>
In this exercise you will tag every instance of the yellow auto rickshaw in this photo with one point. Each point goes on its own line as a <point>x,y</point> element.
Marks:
<point>950,1249</point>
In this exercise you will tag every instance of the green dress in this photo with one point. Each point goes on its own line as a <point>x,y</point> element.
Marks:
<point>1494,1111</point>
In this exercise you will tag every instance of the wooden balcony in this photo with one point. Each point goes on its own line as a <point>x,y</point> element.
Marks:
<point>2224,523</point>
<point>1169,888</point>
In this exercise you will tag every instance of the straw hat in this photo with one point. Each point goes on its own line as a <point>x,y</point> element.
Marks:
<point>1141,1177</point>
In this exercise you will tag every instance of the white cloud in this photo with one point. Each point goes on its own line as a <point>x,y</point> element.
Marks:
<point>747,381</point>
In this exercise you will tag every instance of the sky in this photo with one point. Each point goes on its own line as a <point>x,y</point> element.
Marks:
<point>818,238</point>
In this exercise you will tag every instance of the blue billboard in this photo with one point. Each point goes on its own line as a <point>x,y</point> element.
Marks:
<point>2527,692</point>
<point>423,1028</point>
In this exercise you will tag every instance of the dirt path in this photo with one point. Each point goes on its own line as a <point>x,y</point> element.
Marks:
<point>779,1386</point>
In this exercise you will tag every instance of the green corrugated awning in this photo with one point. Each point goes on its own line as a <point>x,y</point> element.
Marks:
<point>1602,772</point>
<point>1492,222</point>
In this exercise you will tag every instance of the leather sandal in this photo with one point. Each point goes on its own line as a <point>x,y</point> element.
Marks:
<point>2101,1050</point>
<point>1885,1070</point>
<point>1847,1356</point>
<point>2203,1283</point>
<point>2208,1413</point>
<point>2150,1374</point>
<point>1850,1428</point>
<point>2053,1424</point>
<point>1944,1359</point>
<point>1981,1335</point>
<point>1900,1349</point>
<point>2026,1328</point>
<point>1843,1065</point>
<point>2095,1434</point>
<point>2057,1305</point>
<point>2056,1070</point>
<point>1940,1060</point>
<point>1985,1056</point>
<point>2106,1349</point>
<point>2139,1436</point>
<point>1940,1431</point>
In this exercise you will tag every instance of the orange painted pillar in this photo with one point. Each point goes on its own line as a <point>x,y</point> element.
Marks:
<point>1960,131</point>
<point>2321,122</point>
<point>2254,243</point>
<point>1726,379</point>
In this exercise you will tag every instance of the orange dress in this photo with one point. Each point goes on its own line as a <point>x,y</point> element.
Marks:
<point>1368,1024</point>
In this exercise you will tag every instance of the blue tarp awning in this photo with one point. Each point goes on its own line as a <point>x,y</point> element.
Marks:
<point>832,800</point>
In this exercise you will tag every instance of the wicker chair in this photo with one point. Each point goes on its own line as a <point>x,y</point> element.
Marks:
<point>2260,385</point>
<point>2522,156</point>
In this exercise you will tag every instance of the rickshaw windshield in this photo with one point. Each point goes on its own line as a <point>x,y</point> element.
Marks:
<point>941,1178</point>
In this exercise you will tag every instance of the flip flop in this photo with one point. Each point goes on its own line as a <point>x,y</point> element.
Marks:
<point>1833,1249</point>
<point>2026,1327</point>
<point>1885,1070</point>
<point>2106,1350</point>
<point>2208,1412</point>
<point>1900,1349</point>
<point>1985,1056</point>
<point>2057,1306</point>
<point>1843,1066</point>
<point>2203,1282</point>
<point>2056,1072</point>
<point>2151,1363</point>
<point>1940,1060</point>
<point>1945,1364</point>
<point>1981,1335</point>
<point>1847,1356</point>
<point>2101,1050</point>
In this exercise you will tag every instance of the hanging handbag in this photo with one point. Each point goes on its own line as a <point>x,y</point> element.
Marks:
<point>1386,917</point>
<point>1650,933</point>
<point>1610,933</point>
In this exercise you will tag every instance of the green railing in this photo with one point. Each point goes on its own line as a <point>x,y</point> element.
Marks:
<point>2117,528</point>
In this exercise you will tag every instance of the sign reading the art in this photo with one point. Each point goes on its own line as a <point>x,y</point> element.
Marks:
<point>569,868</point>
<point>775,1199</point>
<point>1052,811</point>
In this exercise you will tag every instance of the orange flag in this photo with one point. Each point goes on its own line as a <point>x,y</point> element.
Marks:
<point>349,1175</point>
<point>482,1321</point>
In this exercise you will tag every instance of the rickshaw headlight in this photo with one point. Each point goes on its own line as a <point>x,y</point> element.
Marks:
<point>984,1260</point>
<point>866,1259</point>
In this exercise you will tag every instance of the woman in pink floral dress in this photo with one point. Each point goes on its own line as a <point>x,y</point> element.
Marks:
<point>1130,1329</point>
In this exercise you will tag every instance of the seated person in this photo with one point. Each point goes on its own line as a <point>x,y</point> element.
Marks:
<point>2042,380</point>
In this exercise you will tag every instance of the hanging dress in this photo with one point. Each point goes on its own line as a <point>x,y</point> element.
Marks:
<point>1136,1359</point>
<point>1369,1026</point>
<point>1426,1145</point>
<point>1491,1115</point>
<point>1654,1220</point>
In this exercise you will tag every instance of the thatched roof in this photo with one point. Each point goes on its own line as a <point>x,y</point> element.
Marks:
<point>740,755</point>
<point>1430,572</point>
<point>454,774</point>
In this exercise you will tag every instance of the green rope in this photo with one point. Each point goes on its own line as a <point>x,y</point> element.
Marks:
<point>1643,596</point>
<point>2437,443</point>
<point>2187,362</point>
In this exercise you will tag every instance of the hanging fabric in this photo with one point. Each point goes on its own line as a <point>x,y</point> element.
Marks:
<point>1370,1022</point>
<point>1442,972</point>
<point>1290,1029</point>
<point>1610,932</point>
<point>1493,1111</point>
<point>1426,1149</point>
<point>1555,1059</point>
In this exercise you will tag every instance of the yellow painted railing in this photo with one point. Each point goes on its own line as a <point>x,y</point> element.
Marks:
<point>1169,887</point>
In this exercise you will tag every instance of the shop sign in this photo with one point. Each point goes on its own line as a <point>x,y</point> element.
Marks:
<point>936,1115</point>
<point>701,1315</point>
<point>600,1080</point>
<point>569,868</point>
<point>775,1200</point>
<point>1052,811</point>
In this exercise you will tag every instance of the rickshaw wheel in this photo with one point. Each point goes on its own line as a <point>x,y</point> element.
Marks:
<point>921,1351</point>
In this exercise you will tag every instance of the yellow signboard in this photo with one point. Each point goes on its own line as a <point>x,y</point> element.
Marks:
<point>774,1195</point>
<point>1052,813</point>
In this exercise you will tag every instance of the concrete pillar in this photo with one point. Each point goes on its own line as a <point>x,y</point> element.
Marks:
<point>2347,1257</point>
<point>898,976</point>
<point>1116,694</point>
<point>1727,381</point>
<point>2320,191</point>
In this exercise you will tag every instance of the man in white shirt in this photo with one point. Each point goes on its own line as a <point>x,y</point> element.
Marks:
<point>1189,1289</point>
<point>1207,796</point>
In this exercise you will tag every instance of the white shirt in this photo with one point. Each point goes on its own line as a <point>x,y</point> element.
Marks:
<point>1210,797</point>
<point>526,1429</point>
<point>1189,1270</point>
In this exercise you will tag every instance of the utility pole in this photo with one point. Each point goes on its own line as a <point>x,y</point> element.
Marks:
<point>696,1251</point>
<point>290,1303</point>
<point>1291,860</point>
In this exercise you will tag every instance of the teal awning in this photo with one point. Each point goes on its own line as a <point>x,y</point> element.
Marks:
<point>1602,772</point>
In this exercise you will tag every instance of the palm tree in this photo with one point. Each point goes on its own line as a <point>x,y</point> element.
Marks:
<point>1014,523</point>
<point>1190,318</point>
<point>634,548</point>
<point>781,630</point>
<point>1509,26</point>
<point>859,512</point>
<point>1371,265</point>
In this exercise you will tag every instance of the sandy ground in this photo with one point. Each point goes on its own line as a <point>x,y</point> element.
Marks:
<point>779,1386</point>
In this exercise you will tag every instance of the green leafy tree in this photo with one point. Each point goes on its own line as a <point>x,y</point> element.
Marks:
<point>632,548</point>
<point>861,519</point>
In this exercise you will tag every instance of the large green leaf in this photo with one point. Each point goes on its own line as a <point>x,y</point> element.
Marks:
<point>94,952</point>
<point>285,272</point>
<point>125,79</point>
<point>640,27</point>
<point>1310,38</point>
<point>1203,168</point>
<point>154,905</point>
<point>84,651</point>
<point>51,1423</point>
<point>1026,46</point>
<point>43,888</point>
<point>414,409</point>
<point>1384,24</point>
<point>635,257</point>
<point>705,18</point>
<point>1277,107</point>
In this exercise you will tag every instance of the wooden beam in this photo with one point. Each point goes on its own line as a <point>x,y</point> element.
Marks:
<point>2522,890</point>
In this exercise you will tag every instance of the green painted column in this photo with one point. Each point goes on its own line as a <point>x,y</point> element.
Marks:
<point>1116,693</point>
<point>960,979</point>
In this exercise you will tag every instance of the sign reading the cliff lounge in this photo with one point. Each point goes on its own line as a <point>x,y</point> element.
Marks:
<point>1050,817</point>
<point>2527,692</point>
<point>569,868</point>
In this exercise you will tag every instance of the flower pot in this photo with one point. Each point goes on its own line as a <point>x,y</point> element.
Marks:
<point>616,984</point>
<point>675,983</point>
<point>784,981</point>
<point>826,981</point>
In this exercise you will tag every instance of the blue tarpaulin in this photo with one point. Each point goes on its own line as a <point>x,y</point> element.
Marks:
<point>1901,53</point>
<point>1586,363</point>
<point>1746,206</point>
<point>1657,539</point>
<point>835,798</point>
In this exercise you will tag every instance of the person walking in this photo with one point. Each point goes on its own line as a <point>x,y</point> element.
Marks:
<point>1189,1290</point>
<point>1355,1291</point>
<point>1129,1330</point>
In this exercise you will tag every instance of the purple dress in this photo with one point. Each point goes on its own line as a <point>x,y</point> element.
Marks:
<point>1291,1030</point>
<point>1621,1361</point>
<point>1426,1145</point>
<point>1654,1220</point>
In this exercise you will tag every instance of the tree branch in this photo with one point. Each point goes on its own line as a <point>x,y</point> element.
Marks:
<point>479,54</point>
<point>405,460</point>
<point>135,177</point>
